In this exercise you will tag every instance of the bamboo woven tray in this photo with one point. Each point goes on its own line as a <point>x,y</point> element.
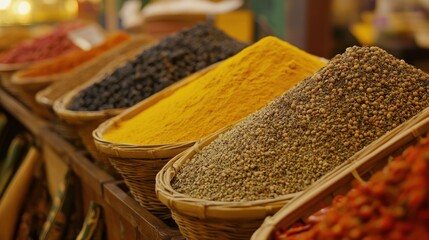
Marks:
<point>139,164</point>
<point>362,166</point>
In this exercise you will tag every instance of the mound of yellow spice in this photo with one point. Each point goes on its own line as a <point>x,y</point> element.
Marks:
<point>234,89</point>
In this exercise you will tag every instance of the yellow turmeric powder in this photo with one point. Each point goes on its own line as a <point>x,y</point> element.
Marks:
<point>234,89</point>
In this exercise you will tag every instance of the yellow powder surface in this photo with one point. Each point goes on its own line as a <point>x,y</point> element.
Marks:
<point>234,89</point>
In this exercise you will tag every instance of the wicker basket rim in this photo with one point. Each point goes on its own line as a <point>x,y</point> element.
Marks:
<point>19,80</point>
<point>60,107</point>
<point>188,206</point>
<point>61,104</point>
<point>402,134</point>
<point>42,97</point>
<point>207,209</point>
<point>124,150</point>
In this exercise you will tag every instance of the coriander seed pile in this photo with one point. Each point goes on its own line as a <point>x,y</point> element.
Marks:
<point>308,131</point>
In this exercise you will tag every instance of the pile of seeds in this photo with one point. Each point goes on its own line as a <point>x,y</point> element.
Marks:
<point>311,129</point>
<point>157,67</point>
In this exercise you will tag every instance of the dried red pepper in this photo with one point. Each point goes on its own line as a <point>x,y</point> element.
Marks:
<point>71,60</point>
<point>51,45</point>
<point>393,204</point>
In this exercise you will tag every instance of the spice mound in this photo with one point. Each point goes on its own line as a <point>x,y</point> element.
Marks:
<point>314,127</point>
<point>234,89</point>
<point>393,204</point>
<point>71,60</point>
<point>51,45</point>
<point>157,67</point>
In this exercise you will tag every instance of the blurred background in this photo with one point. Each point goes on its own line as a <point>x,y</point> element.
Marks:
<point>321,27</point>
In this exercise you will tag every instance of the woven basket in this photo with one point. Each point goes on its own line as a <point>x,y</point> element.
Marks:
<point>139,164</point>
<point>82,74</point>
<point>121,53</point>
<point>361,167</point>
<point>202,219</point>
<point>84,122</point>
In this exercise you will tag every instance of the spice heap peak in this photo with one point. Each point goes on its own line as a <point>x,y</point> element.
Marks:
<point>311,129</point>
<point>232,90</point>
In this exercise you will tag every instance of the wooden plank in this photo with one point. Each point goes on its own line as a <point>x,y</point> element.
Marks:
<point>33,123</point>
<point>147,224</point>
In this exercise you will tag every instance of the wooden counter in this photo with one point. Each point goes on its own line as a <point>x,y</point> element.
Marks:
<point>124,217</point>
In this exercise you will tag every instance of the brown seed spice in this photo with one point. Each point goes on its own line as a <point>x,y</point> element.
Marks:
<point>295,140</point>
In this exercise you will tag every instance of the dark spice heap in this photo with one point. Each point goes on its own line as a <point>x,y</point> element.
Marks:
<point>311,129</point>
<point>393,204</point>
<point>172,59</point>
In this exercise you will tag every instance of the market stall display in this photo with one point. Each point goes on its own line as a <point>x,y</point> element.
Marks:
<point>51,45</point>
<point>391,204</point>
<point>99,66</point>
<point>140,141</point>
<point>294,141</point>
<point>27,82</point>
<point>122,52</point>
<point>129,133</point>
<point>154,69</point>
<point>170,60</point>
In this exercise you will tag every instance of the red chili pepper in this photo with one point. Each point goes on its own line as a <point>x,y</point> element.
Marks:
<point>393,204</point>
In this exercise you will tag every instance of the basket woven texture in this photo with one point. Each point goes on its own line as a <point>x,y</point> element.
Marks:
<point>139,164</point>
<point>85,122</point>
<point>361,167</point>
<point>203,219</point>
